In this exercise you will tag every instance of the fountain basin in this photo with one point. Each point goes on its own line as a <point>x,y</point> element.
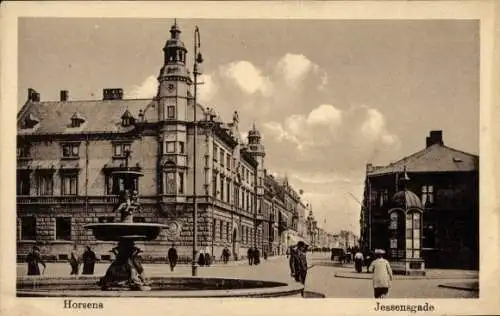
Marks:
<point>175,287</point>
<point>130,231</point>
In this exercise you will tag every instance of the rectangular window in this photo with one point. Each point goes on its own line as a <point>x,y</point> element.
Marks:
<point>181,147</point>
<point>221,155</point>
<point>221,229</point>
<point>69,184</point>
<point>115,184</point>
<point>63,228</point>
<point>121,149</point>
<point>236,196</point>
<point>23,183</point>
<point>181,182</point>
<point>228,162</point>
<point>23,151</point>
<point>215,152</point>
<point>228,191</point>
<point>28,228</point>
<point>170,183</point>
<point>427,194</point>
<point>227,231</point>
<point>221,188</point>
<point>170,111</point>
<point>170,147</point>
<point>214,185</point>
<point>45,184</point>
<point>71,150</point>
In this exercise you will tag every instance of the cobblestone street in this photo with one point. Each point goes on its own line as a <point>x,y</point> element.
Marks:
<point>321,277</point>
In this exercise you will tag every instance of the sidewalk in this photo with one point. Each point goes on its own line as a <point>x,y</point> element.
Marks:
<point>232,268</point>
<point>431,274</point>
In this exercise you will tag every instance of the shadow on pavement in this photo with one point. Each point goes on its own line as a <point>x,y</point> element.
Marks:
<point>309,294</point>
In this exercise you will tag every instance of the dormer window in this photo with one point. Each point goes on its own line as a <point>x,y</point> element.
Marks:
<point>77,120</point>
<point>127,119</point>
<point>31,121</point>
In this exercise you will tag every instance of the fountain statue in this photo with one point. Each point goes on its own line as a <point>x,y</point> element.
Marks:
<point>126,270</point>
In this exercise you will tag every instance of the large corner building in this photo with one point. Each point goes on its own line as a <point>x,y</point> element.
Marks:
<point>74,158</point>
<point>444,182</point>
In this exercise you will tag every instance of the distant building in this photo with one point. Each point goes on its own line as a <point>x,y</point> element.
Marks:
<point>74,159</point>
<point>446,181</point>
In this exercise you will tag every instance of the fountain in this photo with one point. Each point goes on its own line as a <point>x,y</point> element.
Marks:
<point>125,276</point>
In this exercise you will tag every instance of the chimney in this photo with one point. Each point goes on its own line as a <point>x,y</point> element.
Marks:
<point>33,95</point>
<point>435,137</point>
<point>112,94</point>
<point>64,95</point>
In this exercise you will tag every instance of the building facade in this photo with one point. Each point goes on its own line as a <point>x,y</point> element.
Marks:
<point>446,182</point>
<point>75,158</point>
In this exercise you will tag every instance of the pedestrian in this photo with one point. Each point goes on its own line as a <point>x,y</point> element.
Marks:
<point>256,256</point>
<point>208,257</point>
<point>89,259</point>
<point>172,257</point>
<point>265,255</point>
<point>201,258</point>
<point>225,254</point>
<point>74,260</point>
<point>33,260</point>
<point>368,260</point>
<point>250,255</point>
<point>382,274</point>
<point>301,263</point>
<point>290,253</point>
<point>358,261</point>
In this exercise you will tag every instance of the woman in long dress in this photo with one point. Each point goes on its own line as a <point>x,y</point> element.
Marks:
<point>89,259</point>
<point>33,260</point>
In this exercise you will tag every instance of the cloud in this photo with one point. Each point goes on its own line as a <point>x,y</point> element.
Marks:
<point>295,68</point>
<point>325,114</point>
<point>247,77</point>
<point>208,89</point>
<point>146,90</point>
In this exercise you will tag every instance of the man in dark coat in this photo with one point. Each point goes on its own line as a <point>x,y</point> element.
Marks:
<point>225,254</point>
<point>89,258</point>
<point>33,259</point>
<point>256,256</point>
<point>250,255</point>
<point>301,263</point>
<point>172,257</point>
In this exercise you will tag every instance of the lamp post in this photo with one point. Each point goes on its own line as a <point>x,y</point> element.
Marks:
<point>196,72</point>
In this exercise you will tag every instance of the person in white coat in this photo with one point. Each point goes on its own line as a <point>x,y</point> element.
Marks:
<point>382,274</point>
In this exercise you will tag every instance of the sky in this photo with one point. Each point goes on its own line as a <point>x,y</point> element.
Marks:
<point>329,96</point>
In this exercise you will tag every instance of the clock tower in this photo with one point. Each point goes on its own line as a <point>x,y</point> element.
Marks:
<point>174,80</point>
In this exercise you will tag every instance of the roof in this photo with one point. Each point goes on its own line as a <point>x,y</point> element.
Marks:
<point>98,115</point>
<point>435,158</point>
<point>406,199</point>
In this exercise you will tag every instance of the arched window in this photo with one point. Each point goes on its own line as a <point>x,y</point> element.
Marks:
<point>413,237</point>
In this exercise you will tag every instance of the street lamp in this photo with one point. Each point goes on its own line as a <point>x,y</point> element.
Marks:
<point>196,72</point>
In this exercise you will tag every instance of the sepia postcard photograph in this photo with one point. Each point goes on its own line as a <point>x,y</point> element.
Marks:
<point>338,153</point>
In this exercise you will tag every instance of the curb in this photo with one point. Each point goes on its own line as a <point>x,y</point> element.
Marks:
<point>396,277</point>
<point>458,287</point>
